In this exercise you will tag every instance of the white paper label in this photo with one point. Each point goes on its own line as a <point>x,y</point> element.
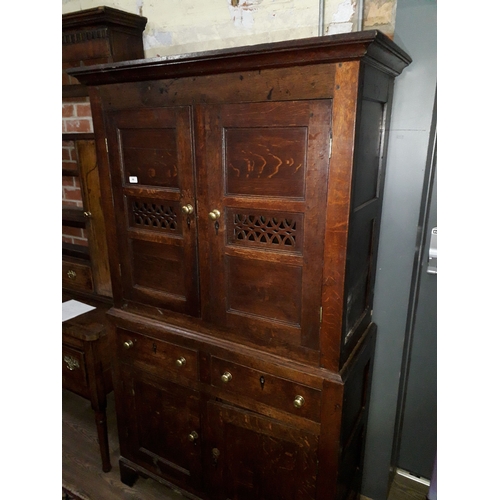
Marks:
<point>132,179</point>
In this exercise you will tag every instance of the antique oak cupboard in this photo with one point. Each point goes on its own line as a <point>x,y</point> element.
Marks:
<point>242,190</point>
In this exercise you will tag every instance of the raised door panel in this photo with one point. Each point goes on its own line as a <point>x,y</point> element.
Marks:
<point>250,457</point>
<point>263,170</point>
<point>153,182</point>
<point>161,425</point>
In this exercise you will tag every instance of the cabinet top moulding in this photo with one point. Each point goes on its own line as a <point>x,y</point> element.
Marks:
<point>102,16</point>
<point>373,47</point>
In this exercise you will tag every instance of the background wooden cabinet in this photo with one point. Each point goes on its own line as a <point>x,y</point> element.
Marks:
<point>90,36</point>
<point>243,192</point>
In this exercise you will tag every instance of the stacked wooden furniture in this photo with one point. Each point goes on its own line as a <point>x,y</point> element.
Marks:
<point>243,190</point>
<point>91,36</point>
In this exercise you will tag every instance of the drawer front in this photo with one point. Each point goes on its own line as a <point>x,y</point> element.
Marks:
<point>74,373</point>
<point>77,276</point>
<point>158,357</point>
<point>266,388</point>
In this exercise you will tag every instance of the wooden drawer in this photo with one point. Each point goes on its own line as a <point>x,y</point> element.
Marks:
<point>77,276</point>
<point>266,388</point>
<point>157,356</point>
<point>74,373</point>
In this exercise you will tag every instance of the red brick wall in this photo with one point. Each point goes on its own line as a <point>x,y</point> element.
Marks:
<point>76,118</point>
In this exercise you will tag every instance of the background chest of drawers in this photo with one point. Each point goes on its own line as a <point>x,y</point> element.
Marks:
<point>242,190</point>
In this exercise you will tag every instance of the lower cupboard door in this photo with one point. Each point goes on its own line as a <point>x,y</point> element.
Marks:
<point>251,457</point>
<point>160,427</point>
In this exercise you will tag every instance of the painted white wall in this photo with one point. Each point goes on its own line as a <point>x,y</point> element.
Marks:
<point>180,26</point>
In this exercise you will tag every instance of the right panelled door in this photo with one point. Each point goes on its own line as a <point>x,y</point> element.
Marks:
<point>262,173</point>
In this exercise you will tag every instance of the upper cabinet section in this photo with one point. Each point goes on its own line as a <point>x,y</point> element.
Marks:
<point>243,188</point>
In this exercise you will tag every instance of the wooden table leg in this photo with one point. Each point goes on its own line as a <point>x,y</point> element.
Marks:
<point>102,437</point>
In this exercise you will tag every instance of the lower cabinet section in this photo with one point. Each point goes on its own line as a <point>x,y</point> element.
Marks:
<point>246,429</point>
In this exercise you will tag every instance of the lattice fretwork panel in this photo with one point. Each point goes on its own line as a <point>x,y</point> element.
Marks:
<point>154,215</point>
<point>275,231</point>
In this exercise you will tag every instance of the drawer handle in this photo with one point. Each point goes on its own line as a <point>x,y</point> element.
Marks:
<point>298,402</point>
<point>226,377</point>
<point>193,436</point>
<point>181,362</point>
<point>71,362</point>
<point>71,274</point>
<point>128,344</point>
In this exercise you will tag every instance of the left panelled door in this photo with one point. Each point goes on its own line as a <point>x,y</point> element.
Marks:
<point>151,153</point>
<point>161,422</point>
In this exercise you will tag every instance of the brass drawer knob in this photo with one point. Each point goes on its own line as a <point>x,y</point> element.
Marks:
<point>214,214</point>
<point>226,377</point>
<point>298,402</point>
<point>181,362</point>
<point>193,436</point>
<point>71,274</point>
<point>128,344</point>
<point>87,215</point>
<point>187,209</point>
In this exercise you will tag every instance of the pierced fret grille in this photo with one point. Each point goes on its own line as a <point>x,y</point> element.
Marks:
<point>279,231</point>
<point>154,216</point>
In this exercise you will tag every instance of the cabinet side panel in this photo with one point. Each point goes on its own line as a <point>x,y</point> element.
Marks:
<point>338,209</point>
<point>367,190</point>
<point>356,399</point>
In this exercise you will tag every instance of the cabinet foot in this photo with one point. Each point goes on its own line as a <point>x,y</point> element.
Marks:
<point>128,475</point>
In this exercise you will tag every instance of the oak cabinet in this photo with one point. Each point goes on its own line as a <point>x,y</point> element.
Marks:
<point>242,190</point>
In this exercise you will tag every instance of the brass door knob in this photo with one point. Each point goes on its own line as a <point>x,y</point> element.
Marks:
<point>128,344</point>
<point>181,362</point>
<point>214,214</point>
<point>187,209</point>
<point>71,274</point>
<point>226,377</point>
<point>193,436</point>
<point>298,402</point>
